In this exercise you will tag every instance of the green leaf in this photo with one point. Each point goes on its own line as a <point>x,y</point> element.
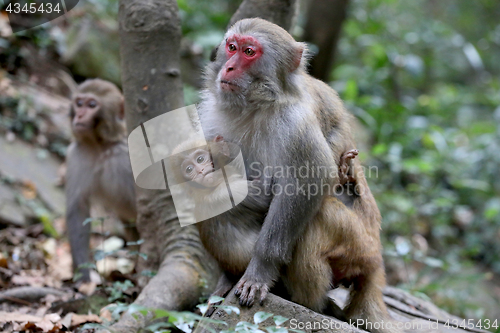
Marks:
<point>215,299</point>
<point>260,316</point>
<point>279,320</point>
<point>149,273</point>
<point>244,326</point>
<point>229,309</point>
<point>139,242</point>
<point>140,254</point>
<point>93,326</point>
<point>379,149</point>
<point>351,90</point>
<point>159,326</point>
<point>273,329</point>
<point>203,308</point>
<point>48,228</point>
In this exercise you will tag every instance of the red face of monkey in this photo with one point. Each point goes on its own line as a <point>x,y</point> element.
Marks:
<point>241,53</point>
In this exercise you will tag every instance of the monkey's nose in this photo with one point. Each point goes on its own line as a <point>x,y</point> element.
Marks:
<point>229,69</point>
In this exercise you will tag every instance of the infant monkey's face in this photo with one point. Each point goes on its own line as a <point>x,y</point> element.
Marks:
<point>198,167</point>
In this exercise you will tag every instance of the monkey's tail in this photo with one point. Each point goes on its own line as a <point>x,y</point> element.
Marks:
<point>366,307</point>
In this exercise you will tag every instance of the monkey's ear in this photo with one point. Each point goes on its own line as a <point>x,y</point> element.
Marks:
<point>121,111</point>
<point>297,57</point>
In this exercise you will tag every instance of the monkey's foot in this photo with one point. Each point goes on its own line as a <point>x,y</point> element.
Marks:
<point>248,290</point>
<point>333,310</point>
<point>345,171</point>
<point>223,287</point>
<point>211,308</point>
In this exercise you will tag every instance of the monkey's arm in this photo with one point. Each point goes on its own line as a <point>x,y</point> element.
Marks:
<point>259,196</point>
<point>77,211</point>
<point>296,202</point>
<point>117,182</point>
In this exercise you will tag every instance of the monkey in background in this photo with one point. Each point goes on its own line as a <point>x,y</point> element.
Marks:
<point>98,165</point>
<point>258,95</point>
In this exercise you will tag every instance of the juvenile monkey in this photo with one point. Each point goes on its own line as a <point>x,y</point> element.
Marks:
<point>98,164</point>
<point>199,164</point>
<point>259,96</point>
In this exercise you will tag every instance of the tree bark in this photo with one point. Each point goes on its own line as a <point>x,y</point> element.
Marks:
<point>280,12</point>
<point>150,41</point>
<point>323,28</point>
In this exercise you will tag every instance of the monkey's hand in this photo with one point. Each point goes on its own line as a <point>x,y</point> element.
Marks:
<point>254,284</point>
<point>247,290</point>
<point>345,167</point>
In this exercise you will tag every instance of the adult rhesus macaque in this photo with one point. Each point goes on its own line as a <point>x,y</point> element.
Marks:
<point>98,164</point>
<point>259,96</point>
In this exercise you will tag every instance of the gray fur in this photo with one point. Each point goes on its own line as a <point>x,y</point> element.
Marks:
<point>278,119</point>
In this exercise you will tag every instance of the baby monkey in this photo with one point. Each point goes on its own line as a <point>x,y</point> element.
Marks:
<point>213,174</point>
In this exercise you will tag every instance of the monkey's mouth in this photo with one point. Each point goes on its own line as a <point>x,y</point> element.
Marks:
<point>226,85</point>
<point>209,171</point>
<point>80,126</point>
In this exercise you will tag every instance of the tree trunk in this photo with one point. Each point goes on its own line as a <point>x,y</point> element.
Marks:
<point>323,28</point>
<point>280,12</point>
<point>150,41</point>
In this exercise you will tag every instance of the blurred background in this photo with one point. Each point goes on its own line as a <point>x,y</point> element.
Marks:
<point>421,76</point>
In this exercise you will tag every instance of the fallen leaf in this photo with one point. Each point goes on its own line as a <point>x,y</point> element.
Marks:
<point>87,288</point>
<point>106,314</point>
<point>60,266</point>
<point>23,322</point>
<point>6,317</point>
<point>23,280</point>
<point>29,190</point>
<point>66,322</point>
<point>77,320</point>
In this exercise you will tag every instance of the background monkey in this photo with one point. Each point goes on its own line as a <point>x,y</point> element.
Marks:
<point>259,96</point>
<point>98,164</point>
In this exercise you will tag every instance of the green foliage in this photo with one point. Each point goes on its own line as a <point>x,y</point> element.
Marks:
<point>21,116</point>
<point>204,22</point>
<point>116,291</point>
<point>173,321</point>
<point>423,77</point>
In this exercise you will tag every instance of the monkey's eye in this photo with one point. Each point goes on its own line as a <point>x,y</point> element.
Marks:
<point>249,52</point>
<point>200,159</point>
<point>92,104</point>
<point>189,169</point>
<point>231,47</point>
<point>79,102</point>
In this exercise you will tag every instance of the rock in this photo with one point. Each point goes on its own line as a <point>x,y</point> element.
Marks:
<point>299,316</point>
<point>10,211</point>
<point>22,161</point>
<point>412,313</point>
<point>50,108</point>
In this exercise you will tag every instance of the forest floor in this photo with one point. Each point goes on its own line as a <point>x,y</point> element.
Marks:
<point>37,293</point>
